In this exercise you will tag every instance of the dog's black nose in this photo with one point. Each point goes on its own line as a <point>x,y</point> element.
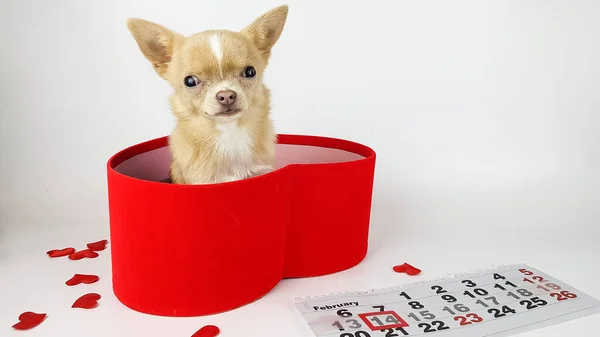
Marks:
<point>226,97</point>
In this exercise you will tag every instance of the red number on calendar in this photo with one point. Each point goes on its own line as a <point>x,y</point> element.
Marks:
<point>546,285</point>
<point>469,319</point>
<point>382,320</point>
<point>563,295</point>
<point>553,286</point>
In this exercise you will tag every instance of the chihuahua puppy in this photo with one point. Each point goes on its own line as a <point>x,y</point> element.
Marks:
<point>223,131</point>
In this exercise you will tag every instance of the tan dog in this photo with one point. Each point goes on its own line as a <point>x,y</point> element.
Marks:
<point>224,131</point>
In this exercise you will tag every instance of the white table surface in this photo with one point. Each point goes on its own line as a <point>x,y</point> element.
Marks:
<point>554,229</point>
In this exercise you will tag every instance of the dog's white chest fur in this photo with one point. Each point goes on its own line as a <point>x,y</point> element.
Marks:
<point>234,146</point>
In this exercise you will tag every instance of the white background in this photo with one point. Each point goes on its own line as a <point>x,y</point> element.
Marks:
<point>484,116</point>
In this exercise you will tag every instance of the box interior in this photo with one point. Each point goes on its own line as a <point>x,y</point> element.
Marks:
<point>154,165</point>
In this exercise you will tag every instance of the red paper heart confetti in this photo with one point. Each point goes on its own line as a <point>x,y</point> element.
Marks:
<point>90,254</point>
<point>28,320</point>
<point>207,331</point>
<point>61,252</point>
<point>97,246</point>
<point>81,278</point>
<point>87,301</point>
<point>408,269</point>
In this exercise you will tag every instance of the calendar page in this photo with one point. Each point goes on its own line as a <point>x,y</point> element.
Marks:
<point>502,301</point>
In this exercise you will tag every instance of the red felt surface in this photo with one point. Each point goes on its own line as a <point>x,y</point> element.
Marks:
<point>207,331</point>
<point>97,246</point>
<point>61,252</point>
<point>86,253</point>
<point>408,269</point>
<point>82,278</point>
<point>87,301</point>
<point>28,320</point>
<point>190,250</point>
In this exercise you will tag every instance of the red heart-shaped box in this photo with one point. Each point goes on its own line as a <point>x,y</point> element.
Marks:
<point>192,250</point>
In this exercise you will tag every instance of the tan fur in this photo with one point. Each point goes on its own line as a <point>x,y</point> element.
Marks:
<point>208,147</point>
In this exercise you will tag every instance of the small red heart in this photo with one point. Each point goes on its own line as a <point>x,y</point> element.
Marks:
<point>90,254</point>
<point>87,301</point>
<point>28,320</point>
<point>407,268</point>
<point>61,252</point>
<point>81,278</point>
<point>97,246</point>
<point>207,331</point>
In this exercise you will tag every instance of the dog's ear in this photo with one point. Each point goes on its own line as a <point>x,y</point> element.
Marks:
<point>156,42</point>
<point>265,30</point>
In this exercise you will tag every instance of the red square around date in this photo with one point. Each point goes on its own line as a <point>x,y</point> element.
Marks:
<point>379,320</point>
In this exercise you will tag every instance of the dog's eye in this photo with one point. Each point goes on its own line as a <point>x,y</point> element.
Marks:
<point>249,72</point>
<point>191,81</point>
